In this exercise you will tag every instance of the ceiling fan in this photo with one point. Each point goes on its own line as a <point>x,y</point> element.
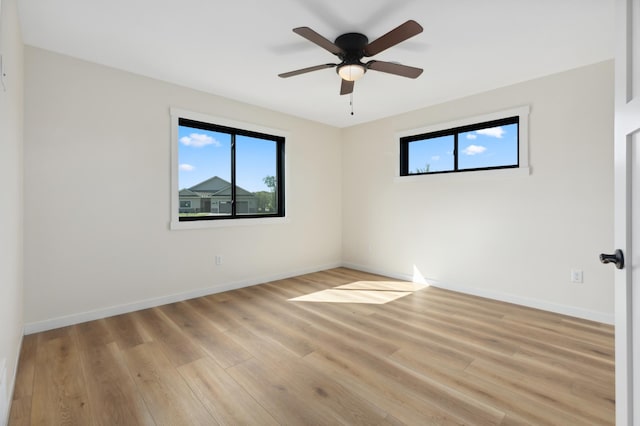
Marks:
<point>350,48</point>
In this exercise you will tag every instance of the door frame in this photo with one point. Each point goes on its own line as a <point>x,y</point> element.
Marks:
<point>627,135</point>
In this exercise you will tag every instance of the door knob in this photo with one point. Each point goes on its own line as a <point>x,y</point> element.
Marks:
<point>617,258</point>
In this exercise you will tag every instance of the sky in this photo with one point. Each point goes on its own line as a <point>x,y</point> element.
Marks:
<point>203,154</point>
<point>490,147</point>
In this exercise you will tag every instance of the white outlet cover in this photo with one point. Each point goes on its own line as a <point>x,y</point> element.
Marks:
<point>576,276</point>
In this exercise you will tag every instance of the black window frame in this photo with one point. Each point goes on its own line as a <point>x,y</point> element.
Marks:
<point>455,132</point>
<point>234,132</point>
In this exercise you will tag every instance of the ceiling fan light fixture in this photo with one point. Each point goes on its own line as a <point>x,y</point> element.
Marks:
<point>350,48</point>
<point>351,72</point>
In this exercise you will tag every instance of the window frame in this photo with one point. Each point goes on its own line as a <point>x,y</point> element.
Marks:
<point>234,128</point>
<point>521,114</point>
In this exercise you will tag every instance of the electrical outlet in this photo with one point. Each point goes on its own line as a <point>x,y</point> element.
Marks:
<point>218,260</point>
<point>576,275</point>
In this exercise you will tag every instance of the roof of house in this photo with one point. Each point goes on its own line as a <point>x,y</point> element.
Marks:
<point>214,186</point>
<point>188,193</point>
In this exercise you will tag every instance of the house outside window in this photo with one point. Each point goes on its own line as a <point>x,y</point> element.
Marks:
<point>223,172</point>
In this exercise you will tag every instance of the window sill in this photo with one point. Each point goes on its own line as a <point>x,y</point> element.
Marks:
<point>461,176</point>
<point>226,223</point>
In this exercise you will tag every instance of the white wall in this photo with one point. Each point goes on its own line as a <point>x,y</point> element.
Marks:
<point>97,141</point>
<point>100,137</point>
<point>11,115</point>
<point>513,238</point>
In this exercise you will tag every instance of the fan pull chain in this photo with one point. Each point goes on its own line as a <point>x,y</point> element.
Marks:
<point>351,103</point>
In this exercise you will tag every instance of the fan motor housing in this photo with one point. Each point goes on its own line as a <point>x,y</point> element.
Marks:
<point>353,45</point>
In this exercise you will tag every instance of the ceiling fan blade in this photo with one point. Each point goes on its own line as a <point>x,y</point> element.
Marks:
<point>346,87</point>
<point>316,38</point>
<point>396,69</point>
<point>305,70</point>
<point>393,37</point>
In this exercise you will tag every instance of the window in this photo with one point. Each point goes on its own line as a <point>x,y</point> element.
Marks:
<point>491,142</point>
<point>223,172</point>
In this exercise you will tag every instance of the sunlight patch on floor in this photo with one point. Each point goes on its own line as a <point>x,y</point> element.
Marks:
<point>383,286</point>
<point>370,292</point>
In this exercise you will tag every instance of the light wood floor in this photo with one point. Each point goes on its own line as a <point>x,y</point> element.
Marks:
<point>251,356</point>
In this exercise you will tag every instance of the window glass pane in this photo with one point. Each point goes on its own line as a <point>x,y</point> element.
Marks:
<point>489,147</point>
<point>256,176</point>
<point>204,172</point>
<point>431,155</point>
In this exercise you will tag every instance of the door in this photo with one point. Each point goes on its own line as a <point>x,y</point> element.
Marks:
<point>627,211</point>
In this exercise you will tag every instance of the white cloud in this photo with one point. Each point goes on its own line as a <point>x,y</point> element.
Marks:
<point>495,132</point>
<point>186,167</point>
<point>198,140</point>
<point>474,149</point>
<point>435,158</point>
<point>471,136</point>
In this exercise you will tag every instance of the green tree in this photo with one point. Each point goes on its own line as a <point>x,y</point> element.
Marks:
<point>270,181</point>
<point>425,170</point>
<point>264,200</point>
<point>272,184</point>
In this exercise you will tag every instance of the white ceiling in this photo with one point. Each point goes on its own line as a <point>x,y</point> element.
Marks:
<point>236,48</point>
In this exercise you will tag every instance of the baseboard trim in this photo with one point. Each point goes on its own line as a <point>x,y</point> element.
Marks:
<point>63,321</point>
<point>571,311</point>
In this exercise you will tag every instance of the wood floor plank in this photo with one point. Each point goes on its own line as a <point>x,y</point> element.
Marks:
<point>199,329</point>
<point>20,412</point>
<point>428,331</point>
<point>59,389</point>
<point>598,376</point>
<point>316,328</point>
<point>525,335</point>
<point>24,378</point>
<point>426,300</point>
<point>113,395</point>
<point>312,400</point>
<point>92,334</point>
<point>177,346</point>
<point>259,322</point>
<point>286,407</point>
<point>424,390</point>
<point>340,319</point>
<point>390,396</point>
<point>515,405</point>
<point>300,385</point>
<point>208,308</point>
<point>592,409</point>
<point>253,356</point>
<point>126,331</point>
<point>166,394</point>
<point>227,401</point>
